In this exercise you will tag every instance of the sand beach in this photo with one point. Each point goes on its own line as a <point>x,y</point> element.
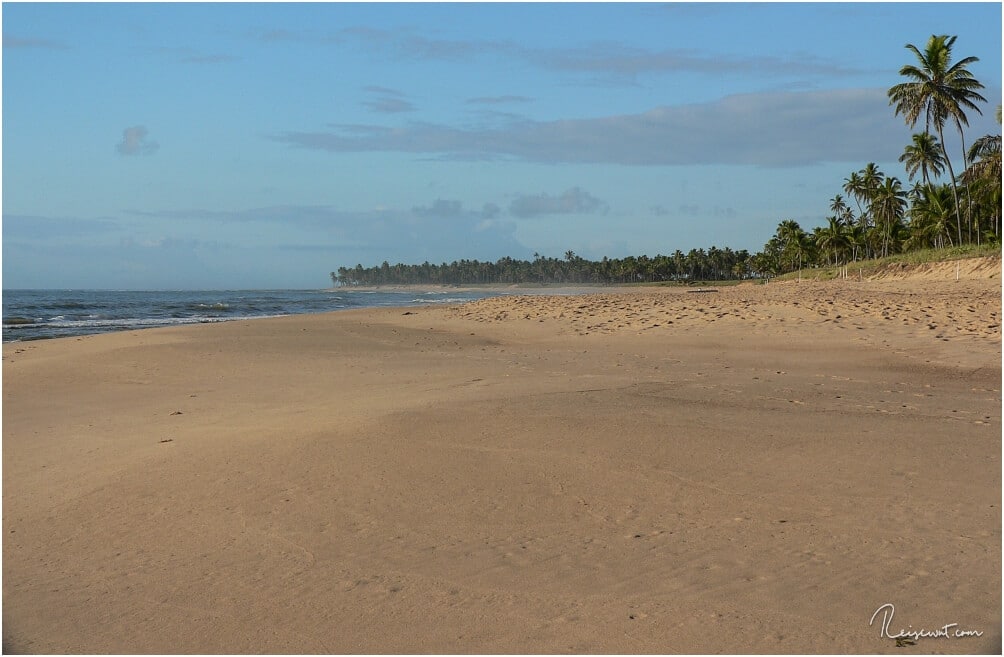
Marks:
<point>751,469</point>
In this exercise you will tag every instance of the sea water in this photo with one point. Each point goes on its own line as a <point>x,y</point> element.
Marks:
<point>38,314</point>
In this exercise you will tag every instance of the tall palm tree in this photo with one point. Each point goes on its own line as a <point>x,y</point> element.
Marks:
<point>871,178</point>
<point>888,208</point>
<point>924,155</point>
<point>855,189</point>
<point>840,209</point>
<point>983,176</point>
<point>940,91</point>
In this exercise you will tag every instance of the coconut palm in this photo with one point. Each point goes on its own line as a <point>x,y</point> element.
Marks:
<point>861,185</point>
<point>855,240</point>
<point>930,216</point>
<point>871,181</point>
<point>939,91</point>
<point>832,239</point>
<point>766,263</point>
<point>924,155</point>
<point>840,209</point>
<point>985,158</point>
<point>888,208</point>
<point>855,189</point>
<point>983,179</point>
<point>794,243</point>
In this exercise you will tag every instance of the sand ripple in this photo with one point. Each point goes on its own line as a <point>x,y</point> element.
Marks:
<point>933,309</point>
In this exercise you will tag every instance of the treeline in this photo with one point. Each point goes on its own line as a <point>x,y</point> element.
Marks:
<point>698,264</point>
<point>879,215</point>
<point>883,217</point>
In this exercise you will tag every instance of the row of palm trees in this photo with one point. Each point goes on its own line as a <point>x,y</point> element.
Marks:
<point>931,214</point>
<point>885,217</point>
<point>697,264</point>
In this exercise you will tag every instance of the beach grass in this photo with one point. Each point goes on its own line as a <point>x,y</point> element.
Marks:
<point>877,266</point>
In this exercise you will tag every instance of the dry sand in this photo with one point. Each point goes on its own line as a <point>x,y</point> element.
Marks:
<point>756,469</point>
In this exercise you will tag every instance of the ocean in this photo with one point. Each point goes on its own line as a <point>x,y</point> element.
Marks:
<point>40,314</point>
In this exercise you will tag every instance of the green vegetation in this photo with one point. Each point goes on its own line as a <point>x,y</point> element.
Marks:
<point>698,264</point>
<point>930,221</point>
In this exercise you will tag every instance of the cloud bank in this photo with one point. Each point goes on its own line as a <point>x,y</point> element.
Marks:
<point>442,229</point>
<point>613,59</point>
<point>782,129</point>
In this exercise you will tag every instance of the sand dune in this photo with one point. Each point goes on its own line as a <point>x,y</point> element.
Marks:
<point>968,269</point>
<point>755,469</point>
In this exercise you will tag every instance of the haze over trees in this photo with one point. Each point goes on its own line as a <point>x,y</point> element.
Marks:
<point>879,215</point>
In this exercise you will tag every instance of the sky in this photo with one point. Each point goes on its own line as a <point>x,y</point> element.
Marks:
<point>264,145</point>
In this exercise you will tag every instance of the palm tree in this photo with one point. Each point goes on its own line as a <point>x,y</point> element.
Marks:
<point>855,240</point>
<point>768,262</point>
<point>930,216</point>
<point>888,208</point>
<point>985,158</point>
<point>832,238</point>
<point>840,209</point>
<point>855,189</point>
<point>938,90</point>
<point>924,155</point>
<point>871,180</point>
<point>984,173</point>
<point>794,243</point>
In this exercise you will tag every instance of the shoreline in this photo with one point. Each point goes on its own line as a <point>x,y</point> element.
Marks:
<point>560,288</point>
<point>20,328</point>
<point>754,470</point>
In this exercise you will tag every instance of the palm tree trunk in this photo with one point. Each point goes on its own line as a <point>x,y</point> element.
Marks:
<point>969,196</point>
<point>951,176</point>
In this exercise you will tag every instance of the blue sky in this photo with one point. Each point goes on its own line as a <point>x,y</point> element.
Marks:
<point>168,146</point>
